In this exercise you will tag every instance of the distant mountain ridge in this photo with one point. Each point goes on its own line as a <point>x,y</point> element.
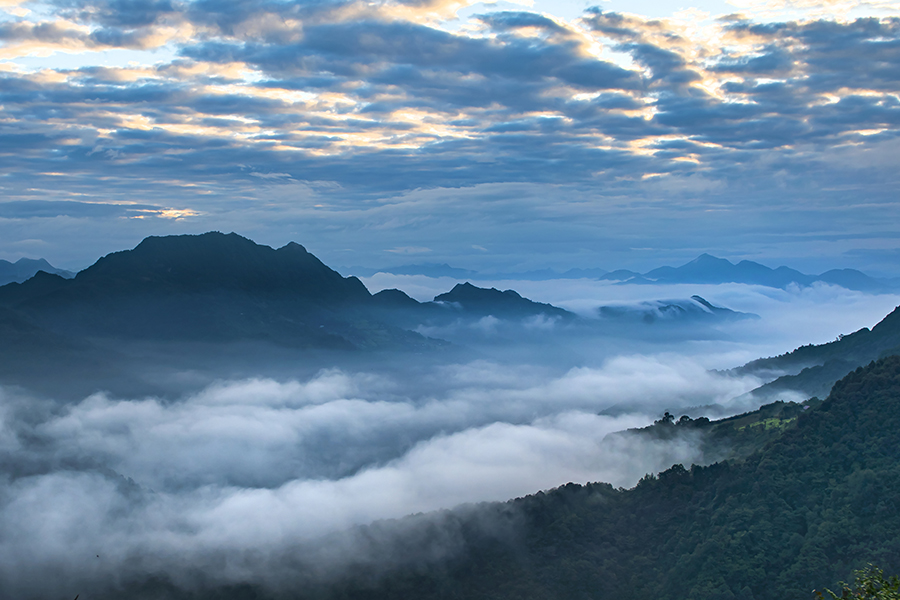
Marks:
<point>212,290</point>
<point>705,269</point>
<point>215,261</point>
<point>710,269</point>
<point>205,287</point>
<point>26,268</point>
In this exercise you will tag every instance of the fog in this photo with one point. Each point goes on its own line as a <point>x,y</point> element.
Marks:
<point>272,480</point>
<point>790,317</point>
<point>247,470</point>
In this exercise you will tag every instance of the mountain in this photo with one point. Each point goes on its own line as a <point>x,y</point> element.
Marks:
<point>705,269</point>
<point>25,268</point>
<point>178,303</point>
<point>211,305</point>
<point>507,304</point>
<point>209,287</point>
<point>813,369</point>
<point>708,269</point>
<point>813,500</point>
<point>680,311</point>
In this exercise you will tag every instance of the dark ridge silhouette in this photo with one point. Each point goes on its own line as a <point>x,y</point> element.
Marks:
<point>394,298</point>
<point>25,268</point>
<point>215,261</point>
<point>483,301</point>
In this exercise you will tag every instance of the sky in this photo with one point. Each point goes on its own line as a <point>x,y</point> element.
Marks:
<point>492,136</point>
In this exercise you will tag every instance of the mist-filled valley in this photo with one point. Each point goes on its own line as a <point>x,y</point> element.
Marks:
<point>203,422</point>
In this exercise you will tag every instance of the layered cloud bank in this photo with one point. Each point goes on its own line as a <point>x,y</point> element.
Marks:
<point>399,121</point>
<point>236,480</point>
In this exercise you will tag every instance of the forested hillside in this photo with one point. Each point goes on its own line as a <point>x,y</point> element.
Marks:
<point>813,369</point>
<point>800,514</point>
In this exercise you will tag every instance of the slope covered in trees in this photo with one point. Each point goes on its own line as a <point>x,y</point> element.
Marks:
<point>803,512</point>
<point>813,369</point>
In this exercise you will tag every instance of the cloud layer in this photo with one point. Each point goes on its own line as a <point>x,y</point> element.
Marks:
<point>244,477</point>
<point>320,120</point>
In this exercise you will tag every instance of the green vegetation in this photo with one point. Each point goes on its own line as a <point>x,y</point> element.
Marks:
<point>815,368</point>
<point>871,584</point>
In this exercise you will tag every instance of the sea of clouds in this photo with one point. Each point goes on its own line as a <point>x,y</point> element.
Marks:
<point>105,489</point>
<point>246,479</point>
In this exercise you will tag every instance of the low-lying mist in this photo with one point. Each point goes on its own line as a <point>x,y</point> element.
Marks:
<point>278,473</point>
<point>790,317</point>
<point>233,481</point>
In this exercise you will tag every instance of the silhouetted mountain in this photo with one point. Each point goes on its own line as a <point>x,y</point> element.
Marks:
<point>25,268</point>
<point>394,298</point>
<point>696,308</point>
<point>813,369</point>
<point>215,262</point>
<point>483,302</point>
<point>705,269</point>
<point>208,288</point>
<point>216,289</point>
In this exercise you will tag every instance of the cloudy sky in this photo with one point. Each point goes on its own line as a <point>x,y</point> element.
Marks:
<point>491,136</point>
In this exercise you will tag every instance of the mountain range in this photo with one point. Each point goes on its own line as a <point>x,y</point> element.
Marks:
<point>209,292</point>
<point>215,289</point>
<point>705,269</point>
<point>26,268</point>
<point>712,270</point>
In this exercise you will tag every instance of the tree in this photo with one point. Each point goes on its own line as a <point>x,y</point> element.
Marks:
<point>871,584</point>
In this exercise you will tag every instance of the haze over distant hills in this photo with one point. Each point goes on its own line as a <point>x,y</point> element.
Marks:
<point>813,369</point>
<point>705,269</point>
<point>215,290</point>
<point>25,268</point>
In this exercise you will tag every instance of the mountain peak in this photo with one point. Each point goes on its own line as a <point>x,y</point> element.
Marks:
<point>25,268</point>
<point>494,302</point>
<point>218,261</point>
<point>706,258</point>
<point>293,247</point>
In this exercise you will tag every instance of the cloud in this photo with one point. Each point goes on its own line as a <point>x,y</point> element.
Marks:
<point>234,480</point>
<point>45,209</point>
<point>410,250</point>
<point>712,123</point>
